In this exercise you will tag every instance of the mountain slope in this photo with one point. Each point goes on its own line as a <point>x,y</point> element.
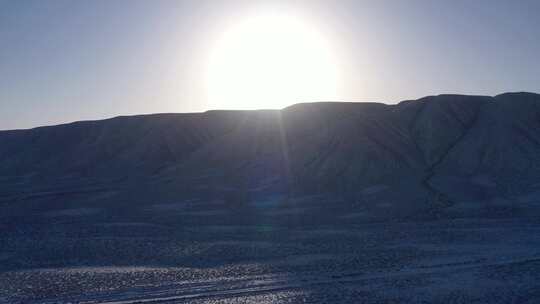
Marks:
<point>420,149</point>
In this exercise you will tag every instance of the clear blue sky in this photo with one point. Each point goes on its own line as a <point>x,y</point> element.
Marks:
<point>62,61</point>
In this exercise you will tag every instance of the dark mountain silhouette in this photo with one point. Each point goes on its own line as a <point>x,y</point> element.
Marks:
<point>439,147</point>
<point>433,200</point>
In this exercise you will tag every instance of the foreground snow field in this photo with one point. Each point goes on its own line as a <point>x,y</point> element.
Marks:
<point>266,254</point>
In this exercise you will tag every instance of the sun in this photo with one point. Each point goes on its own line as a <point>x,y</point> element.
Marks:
<point>270,61</point>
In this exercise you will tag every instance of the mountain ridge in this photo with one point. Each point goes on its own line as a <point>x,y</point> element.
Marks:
<point>427,147</point>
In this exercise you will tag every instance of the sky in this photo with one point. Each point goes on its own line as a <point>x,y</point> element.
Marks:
<point>67,60</point>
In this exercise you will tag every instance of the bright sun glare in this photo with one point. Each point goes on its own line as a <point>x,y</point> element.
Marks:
<point>270,61</point>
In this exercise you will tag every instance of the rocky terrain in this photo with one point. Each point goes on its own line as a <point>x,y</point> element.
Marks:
<point>432,200</point>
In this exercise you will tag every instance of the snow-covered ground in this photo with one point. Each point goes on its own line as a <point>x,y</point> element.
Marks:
<point>267,255</point>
